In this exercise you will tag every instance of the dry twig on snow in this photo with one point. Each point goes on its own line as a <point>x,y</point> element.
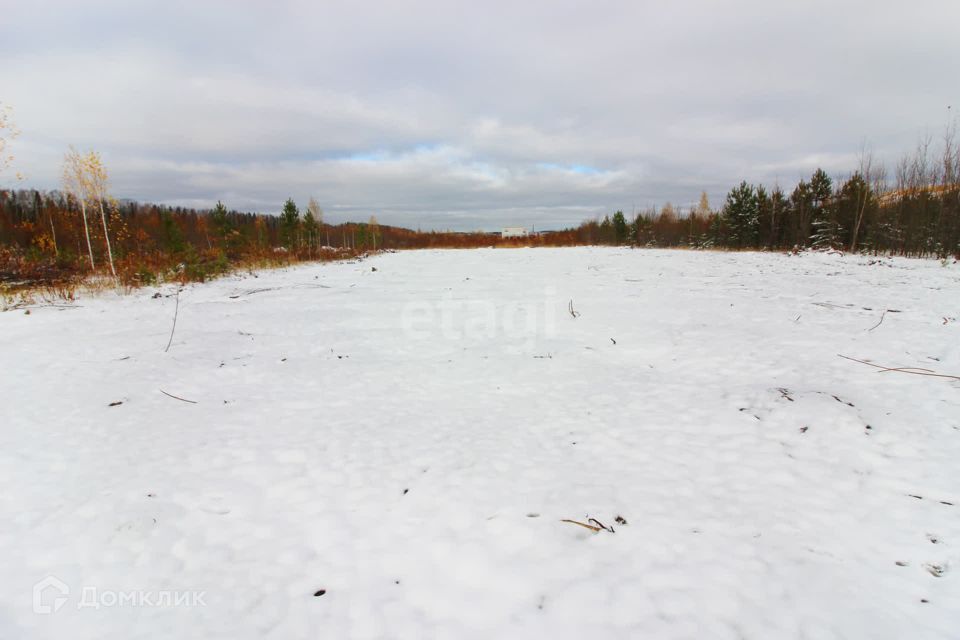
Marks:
<point>882,316</point>
<point>596,525</point>
<point>917,371</point>
<point>584,525</point>
<point>176,311</point>
<point>177,397</point>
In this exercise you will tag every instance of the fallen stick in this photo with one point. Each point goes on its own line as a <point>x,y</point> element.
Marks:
<point>177,397</point>
<point>908,369</point>
<point>914,370</point>
<point>882,316</point>
<point>176,311</point>
<point>584,525</point>
<point>600,524</point>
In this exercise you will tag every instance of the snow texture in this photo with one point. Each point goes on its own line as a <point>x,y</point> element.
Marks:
<point>405,434</point>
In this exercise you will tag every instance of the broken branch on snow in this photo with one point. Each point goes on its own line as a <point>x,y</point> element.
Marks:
<point>177,397</point>
<point>176,311</point>
<point>917,371</point>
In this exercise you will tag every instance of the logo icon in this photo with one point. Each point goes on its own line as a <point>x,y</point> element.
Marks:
<point>50,589</point>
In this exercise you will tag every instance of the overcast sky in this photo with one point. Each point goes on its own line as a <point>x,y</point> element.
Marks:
<point>469,115</point>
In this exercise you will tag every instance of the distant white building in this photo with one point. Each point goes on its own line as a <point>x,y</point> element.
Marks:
<point>513,232</point>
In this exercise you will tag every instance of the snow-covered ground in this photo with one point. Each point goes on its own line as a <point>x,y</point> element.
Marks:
<point>407,434</point>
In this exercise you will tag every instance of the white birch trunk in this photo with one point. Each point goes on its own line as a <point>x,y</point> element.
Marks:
<point>106,237</point>
<point>86,230</point>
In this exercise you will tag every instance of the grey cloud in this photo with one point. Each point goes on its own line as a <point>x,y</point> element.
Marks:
<point>468,115</point>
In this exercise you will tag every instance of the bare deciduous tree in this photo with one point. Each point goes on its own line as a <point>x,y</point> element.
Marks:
<point>870,171</point>
<point>374,230</point>
<point>316,214</point>
<point>8,132</point>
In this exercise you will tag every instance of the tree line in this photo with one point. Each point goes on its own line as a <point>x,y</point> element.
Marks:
<point>69,234</point>
<point>81,229</point>
<point>916,213</point>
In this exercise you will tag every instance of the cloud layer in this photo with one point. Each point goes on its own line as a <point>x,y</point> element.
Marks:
<point>470,115</point>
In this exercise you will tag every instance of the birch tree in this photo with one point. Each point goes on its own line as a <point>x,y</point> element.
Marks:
<point>96,181</point>
<point>314,207</point>
<point>75,186</point>
<point>8,131</point>
<point>703,207</point>
<point>312,222</point>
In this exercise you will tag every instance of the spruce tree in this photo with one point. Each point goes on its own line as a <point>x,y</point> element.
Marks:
<point>824,228</point>
<point>827,233</point>
<point>742,216</point>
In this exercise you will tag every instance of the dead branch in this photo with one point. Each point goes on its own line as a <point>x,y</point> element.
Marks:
<point>908,369</point>
<point>176,311</point>
<point>177,397</point>
<point>571,310</point>
<point>584,525</point>
<point>882,316</point>
<point>914,370</point>
<point>600,524</point>
<point>886,368</point>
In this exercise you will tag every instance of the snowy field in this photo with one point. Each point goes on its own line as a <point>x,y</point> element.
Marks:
<point>405,436</point>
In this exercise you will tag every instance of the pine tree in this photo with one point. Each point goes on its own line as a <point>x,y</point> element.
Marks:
<point>289,224</point>
<point>619,228</point>
<point>854,201</point>
<point>221,223</point>
<point>606,231</point>
<point>171,234</point>
<point>821,188</point>
<point>764,215</point>
<point>801,207</point>
<point>779,215</point>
